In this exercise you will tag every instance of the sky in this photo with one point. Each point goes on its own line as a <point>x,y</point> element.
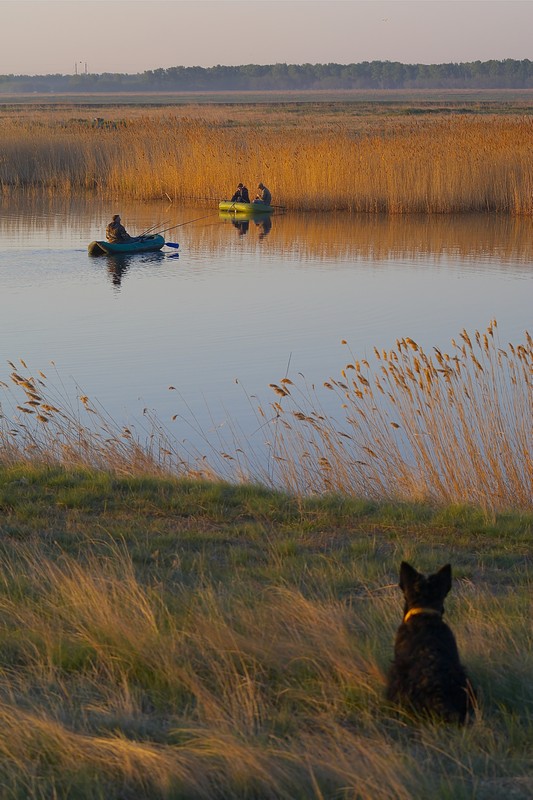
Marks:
<point>130,36</point>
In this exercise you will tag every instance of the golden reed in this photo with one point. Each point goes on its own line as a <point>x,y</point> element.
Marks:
<point>420,426</point>
<point>399,166</point>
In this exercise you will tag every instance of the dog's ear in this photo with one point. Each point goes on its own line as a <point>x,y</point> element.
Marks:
<point>408,575</point>
<point>444,578</point>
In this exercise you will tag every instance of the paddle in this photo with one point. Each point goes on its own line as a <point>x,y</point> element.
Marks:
<point>172,244</point>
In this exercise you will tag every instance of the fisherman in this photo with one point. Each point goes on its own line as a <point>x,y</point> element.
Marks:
<point>241,195</point>
<point>116,232</point>
<point>263,196</point>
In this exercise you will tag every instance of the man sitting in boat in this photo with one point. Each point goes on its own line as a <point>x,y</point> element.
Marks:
<point>263,195</point>
<point>115,232</point>
<point>241,195</point>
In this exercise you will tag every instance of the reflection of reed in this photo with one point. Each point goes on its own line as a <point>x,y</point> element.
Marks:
<point>377,237</point>
<point>306,236</point>
<point>36,215</point>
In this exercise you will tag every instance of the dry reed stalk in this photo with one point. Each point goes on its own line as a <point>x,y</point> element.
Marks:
<point>449,429</point>
<point>55,429</point>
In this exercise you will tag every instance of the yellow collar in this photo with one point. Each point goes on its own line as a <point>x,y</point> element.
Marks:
<point>413,611</point>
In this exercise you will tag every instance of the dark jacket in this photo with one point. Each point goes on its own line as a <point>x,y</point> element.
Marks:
<point>115,232</point>
<point>265,196</point>
<point>241,196</point>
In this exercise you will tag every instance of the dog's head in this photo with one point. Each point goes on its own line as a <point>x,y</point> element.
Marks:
<point>425,592</point>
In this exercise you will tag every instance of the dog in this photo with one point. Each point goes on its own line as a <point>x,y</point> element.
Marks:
<point>426,675</point>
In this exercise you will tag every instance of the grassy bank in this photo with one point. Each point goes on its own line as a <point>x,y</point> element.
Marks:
<point>179,639</point>
<point>312,156</point>
<point>165,637</point>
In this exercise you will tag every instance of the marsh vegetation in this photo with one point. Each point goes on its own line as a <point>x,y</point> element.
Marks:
<point>313,156</point>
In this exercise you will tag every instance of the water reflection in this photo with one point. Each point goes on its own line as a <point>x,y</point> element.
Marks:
<point>242,225</point>
<point>41,222</point>
<point>118,264</point>
<point>263,222</point>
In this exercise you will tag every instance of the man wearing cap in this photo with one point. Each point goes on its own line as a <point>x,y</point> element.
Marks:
<point>264,196</point>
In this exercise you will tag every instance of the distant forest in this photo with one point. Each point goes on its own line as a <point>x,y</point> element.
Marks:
<point>507,74</point>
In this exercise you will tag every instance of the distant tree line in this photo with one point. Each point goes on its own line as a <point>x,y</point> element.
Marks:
<point>507,74</point>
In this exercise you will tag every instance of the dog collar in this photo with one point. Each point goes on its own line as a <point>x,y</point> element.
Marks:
<point>413,611</point>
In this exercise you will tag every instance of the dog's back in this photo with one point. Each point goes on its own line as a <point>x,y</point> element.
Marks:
<point>426,674</point>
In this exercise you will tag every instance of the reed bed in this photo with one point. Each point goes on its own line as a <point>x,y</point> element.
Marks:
<point>441,427</point>
<point>452,165</point>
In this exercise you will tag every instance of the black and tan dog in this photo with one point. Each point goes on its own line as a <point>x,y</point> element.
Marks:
<point>426,675</point>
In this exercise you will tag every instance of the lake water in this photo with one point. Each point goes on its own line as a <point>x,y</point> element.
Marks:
<point>235,310</point>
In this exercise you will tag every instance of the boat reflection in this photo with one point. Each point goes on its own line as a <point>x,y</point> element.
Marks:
<point>118,265</point>
<point>241,221</point>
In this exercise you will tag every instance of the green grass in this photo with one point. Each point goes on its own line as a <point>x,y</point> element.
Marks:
<point>166,638</point>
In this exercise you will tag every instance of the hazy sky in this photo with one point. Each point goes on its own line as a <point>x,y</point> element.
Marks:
<point>52,36</point>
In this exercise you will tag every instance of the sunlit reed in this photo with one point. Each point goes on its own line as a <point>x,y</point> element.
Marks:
<point>457,164</point>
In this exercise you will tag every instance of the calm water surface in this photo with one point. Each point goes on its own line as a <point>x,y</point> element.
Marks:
<point>234,310</point>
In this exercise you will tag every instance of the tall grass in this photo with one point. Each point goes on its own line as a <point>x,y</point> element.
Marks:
<point>441,427</point>
<point>114,688</point>
<point>450,165</point>
<point>165,639</point>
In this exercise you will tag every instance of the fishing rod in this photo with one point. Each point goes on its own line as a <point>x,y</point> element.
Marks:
<point>196,197</point>
<point>212,214</point>
<point>151,229</point>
